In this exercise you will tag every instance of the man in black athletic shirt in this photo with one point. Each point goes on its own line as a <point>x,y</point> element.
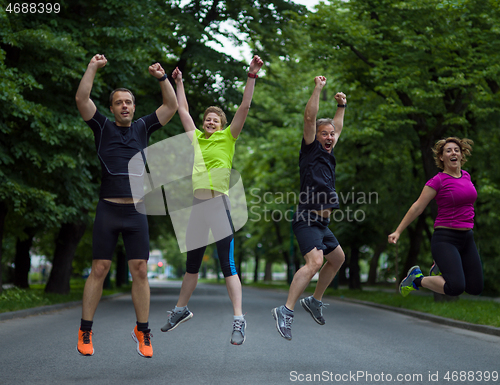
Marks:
<point>116,143</point>
<point>317,200</point>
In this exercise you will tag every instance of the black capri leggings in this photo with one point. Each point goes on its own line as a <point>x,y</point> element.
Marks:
<point>455,253</point>
<point>217,218</point>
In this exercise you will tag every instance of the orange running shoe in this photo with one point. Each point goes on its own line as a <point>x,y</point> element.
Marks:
<point>85,346</point>
<point>143,339</point>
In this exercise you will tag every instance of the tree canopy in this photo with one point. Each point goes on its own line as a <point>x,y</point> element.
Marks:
<point>413,71</point>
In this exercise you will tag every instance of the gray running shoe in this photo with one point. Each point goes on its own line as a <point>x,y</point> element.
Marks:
<point>315,310</point>
<point>434,271</point>
<point>283,322</point>
<point>175,319</point>
<point>238,336</point>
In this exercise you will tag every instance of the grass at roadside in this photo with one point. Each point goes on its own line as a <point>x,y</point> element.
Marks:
<point>479,311</point>
<point>14,299</point>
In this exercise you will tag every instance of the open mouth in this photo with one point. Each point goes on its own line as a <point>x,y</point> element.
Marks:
<point>328,145</point>
<point>453,159</point>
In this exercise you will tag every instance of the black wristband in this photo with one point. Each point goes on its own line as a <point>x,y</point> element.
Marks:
<point>342,105</point>
<point>163,78</point>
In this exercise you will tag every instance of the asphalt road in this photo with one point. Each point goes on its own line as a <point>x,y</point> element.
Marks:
<point>358,345</point>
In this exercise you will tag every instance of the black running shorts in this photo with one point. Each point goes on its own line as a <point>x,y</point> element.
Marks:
<point>311,231</point>
<point>114,218</point>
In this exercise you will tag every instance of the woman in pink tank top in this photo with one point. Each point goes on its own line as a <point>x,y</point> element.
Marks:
<point>453,247</point>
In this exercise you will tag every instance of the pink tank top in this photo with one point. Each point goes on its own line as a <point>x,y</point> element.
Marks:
<point>455,199</point>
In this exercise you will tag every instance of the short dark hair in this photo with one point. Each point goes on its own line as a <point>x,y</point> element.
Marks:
<point>121,90</point>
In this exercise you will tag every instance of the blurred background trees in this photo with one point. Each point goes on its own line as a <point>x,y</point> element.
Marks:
<point>414,72</point>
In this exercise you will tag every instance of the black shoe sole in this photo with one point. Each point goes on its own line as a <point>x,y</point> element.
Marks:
<point>178,323</point>
<point>307,309</point>
<point>85,355</point>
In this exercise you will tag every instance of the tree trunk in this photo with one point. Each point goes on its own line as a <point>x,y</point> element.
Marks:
<point>354,279</point>
<point>3,215</point>
<point>286,256</point>
<point>268,271</point>
<point>372,275</point>
<point>342,274</point>
<point>22,259</point>
<point>297,264</point>
<point>66,242</point>
<point>107,281</point>
<point>416,236</point>
<point>256,271</point>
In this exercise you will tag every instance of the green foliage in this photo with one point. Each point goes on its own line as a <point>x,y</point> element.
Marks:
<point>170,250</point>
<point>49,170</point>
<point>477,311</point>
<point>42,152</point>
<point>413,72</point>
<point>14,299</point>
<point>416,71</point>
<point>267,158</point>
<point>482,311</point>
<point>18,299</point>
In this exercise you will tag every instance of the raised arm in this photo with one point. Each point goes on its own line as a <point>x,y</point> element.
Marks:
<point>311,111</point>
<point>85,105</point>
<point>428,193</point>
<point>242,112</point>
<point>338,119</point>
<point>186,119</point>
<point>169,104</point>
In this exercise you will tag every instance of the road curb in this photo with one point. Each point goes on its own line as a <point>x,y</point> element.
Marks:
<point>426,316</point>
<point>413,313</point>
<point>47,309</point>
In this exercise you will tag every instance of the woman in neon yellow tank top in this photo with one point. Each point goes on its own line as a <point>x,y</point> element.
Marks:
<point>214,150</point>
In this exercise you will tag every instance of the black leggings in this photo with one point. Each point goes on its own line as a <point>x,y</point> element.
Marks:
<point>455,253</point>
<point>211,215</point>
